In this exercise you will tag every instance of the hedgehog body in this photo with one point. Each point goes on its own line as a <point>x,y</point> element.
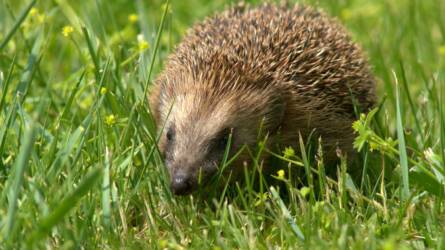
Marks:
<point>291,71</point>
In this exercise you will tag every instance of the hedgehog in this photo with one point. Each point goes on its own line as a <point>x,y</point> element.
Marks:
<point>284,71</point>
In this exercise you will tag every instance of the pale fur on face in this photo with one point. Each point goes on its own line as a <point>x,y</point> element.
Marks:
<point>199,118</point>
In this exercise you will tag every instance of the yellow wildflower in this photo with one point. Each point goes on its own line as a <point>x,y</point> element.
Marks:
<point>137,161</point>
<point>163,243</point>
<point>133,18</point>
<point>67,30</point>
<point>288,152</point>
<point>442,50</point>
<point>346,14</point>
<point>34,11</point>
<point>110,120</point>
<point>304,191</point>
<point>280,173</point>
<point>41,18</point>
<point>103,90</point>
<point>261,198</point>
<point>164,6</point>
<point>142,43</point>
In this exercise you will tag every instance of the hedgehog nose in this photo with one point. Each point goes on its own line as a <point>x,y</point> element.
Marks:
<point>181,184</point>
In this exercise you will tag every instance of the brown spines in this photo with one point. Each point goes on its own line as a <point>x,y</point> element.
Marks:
<point>298,45</point>
<point>295,67</point>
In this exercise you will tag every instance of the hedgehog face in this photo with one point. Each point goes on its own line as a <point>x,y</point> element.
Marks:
<point>195,140</point>
<point>192,161</point>
<point>196,134</point>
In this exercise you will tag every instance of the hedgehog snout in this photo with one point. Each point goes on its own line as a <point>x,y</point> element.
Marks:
<point>185,178</point>
<point>182,183</point>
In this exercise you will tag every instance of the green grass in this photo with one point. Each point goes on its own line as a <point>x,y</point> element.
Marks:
<point>79,165</point>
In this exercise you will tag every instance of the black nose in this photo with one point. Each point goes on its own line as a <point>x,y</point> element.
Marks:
<point>181,184</point>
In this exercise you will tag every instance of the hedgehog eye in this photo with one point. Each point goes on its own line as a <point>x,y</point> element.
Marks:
<point>223,139</point>
<point>170,134</point>
<point>222,142</point>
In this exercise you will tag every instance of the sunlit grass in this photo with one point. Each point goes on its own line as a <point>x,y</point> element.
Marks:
<point>79,166</point>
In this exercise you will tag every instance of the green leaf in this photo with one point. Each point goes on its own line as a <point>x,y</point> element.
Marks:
<point>426,182</point>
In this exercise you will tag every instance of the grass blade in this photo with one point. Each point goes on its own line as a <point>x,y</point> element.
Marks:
<point>402,147</point>
<point>295,228</point>
<point>20,166</point>
<point>7,124</point>
<point>155,51</point>
<point>106,193</point>
<point>92,53</point>
<point>442,123</point>
<point>307,168</point>
<point>6,84</point>
<point>27,77</point>
<point>73,93</point>
<point>17,24</point>
<point>65,206</point>
<point>410,101</point>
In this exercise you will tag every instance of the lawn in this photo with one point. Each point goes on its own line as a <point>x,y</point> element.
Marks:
<point>79,166</point>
